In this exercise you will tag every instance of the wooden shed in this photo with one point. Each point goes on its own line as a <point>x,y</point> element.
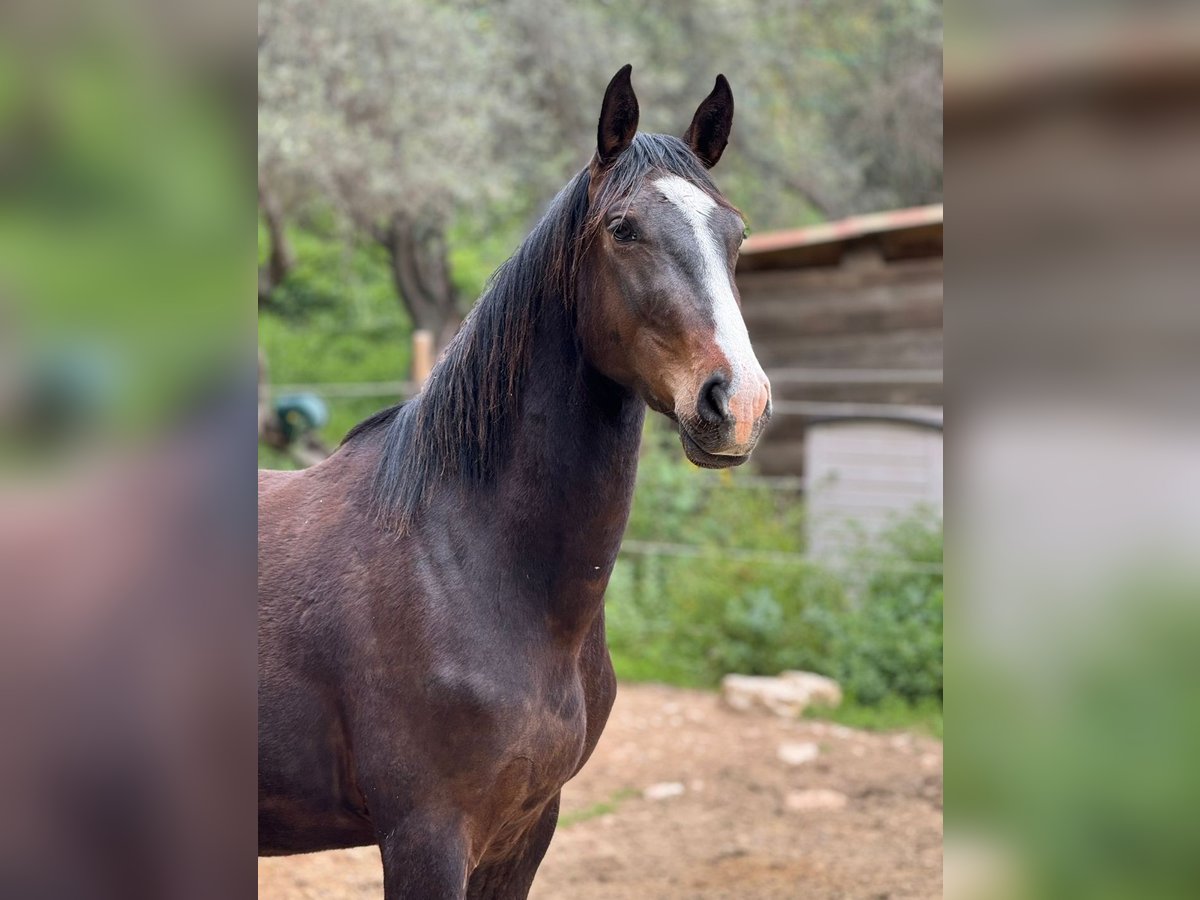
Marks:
<point>846,318</point>
<point>862,475</point>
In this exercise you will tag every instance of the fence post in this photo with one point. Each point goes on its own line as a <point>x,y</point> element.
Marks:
<point>422,356</point>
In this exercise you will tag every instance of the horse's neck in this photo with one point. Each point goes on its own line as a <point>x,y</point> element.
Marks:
<point>564,494</point>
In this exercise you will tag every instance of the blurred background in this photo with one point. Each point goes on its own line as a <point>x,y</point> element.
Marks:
<point>406,148</point>
<point>1073,135</point>
<point>127,562</point>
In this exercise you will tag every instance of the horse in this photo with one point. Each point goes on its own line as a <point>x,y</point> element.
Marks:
<point>432,657</point>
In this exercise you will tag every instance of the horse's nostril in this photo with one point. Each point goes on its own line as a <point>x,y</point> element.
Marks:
<point>713,402</point>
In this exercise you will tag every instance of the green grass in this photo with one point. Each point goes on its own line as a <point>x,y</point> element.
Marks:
<point>603,808</point>
<point>892,714</point>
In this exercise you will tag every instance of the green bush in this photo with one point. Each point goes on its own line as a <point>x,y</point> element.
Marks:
<point>754,603</point>
<point>691,620</point>
<point>887,642</point>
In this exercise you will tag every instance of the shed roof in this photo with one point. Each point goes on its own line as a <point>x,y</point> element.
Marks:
<point>899,234</point>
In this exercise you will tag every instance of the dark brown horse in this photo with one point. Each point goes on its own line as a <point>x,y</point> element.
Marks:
<point>433,666</point>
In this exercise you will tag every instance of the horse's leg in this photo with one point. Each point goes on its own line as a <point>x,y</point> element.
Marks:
<point>511,878</point>
<point>424,858</point>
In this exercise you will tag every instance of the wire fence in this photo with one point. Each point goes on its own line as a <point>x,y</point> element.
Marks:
<point>792,376</point>
<point>775,557</point>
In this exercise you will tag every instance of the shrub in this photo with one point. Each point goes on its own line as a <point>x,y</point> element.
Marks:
<point>754,604</point>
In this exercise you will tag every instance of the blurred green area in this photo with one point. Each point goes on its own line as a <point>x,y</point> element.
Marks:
<point>126,403</point>
<point>1078,768</point>
<point>125,222</point>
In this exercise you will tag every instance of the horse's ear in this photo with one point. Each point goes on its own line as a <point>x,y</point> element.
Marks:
<point>709,132</point>
<point>618,118</point>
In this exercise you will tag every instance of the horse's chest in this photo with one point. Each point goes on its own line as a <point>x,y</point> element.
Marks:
<point>518,735</point>
<point>538,747</point>
<point>549,730</point>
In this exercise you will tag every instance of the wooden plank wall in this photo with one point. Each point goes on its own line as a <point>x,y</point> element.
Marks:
<point>866,313</point>
<point>863,476</point>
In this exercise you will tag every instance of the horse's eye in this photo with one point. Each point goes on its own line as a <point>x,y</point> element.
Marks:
<point>624,232</point>
<point>745,232</point>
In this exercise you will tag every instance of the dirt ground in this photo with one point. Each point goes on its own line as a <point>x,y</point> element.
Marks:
<point>756,808</point>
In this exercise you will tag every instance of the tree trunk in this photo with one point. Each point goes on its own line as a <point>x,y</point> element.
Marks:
<point>420,266</point>
<point>279,253</point>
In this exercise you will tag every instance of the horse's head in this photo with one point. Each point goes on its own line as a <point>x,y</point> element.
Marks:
<point>663,316</point>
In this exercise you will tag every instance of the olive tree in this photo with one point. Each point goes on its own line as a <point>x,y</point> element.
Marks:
<point>409,115</point>
<point>386,110</point>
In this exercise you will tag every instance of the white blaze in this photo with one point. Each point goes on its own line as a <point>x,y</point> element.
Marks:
<point>731,335</point>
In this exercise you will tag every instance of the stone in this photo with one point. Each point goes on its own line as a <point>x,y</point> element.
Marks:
<point>664,790</point>
<point>798,754</point>
<point>815,799</point>
<point>786,695</point>
<point>822,691</point>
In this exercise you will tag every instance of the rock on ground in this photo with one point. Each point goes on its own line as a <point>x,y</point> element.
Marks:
<point>817,798</point>
<point>798,754</point>
<point>787,695</point>
<point>663,790</point>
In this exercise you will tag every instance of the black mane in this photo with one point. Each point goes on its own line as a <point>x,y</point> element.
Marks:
<point>458,426</point>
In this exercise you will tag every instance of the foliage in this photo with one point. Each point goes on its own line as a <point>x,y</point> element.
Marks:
<point>121,178</point>
<point>336,280</point>
<point>891,644</point>
<point>429,125</point>
<point>444,107</point>
<point>1084,758</point>
<point>890,714</point>
<point>755,604</point>
<point>335,318</point>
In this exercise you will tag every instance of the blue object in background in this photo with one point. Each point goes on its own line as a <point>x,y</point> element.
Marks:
<point>300,413</point>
